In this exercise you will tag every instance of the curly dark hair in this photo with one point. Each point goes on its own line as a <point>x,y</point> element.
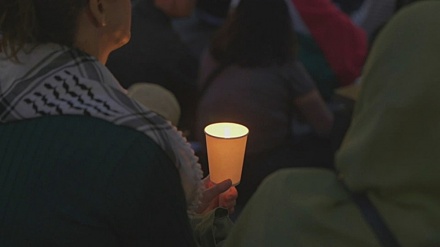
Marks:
<point>37,21</point>
<point>257,33</point>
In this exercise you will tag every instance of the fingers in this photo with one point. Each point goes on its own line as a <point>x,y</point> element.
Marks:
<point>216,189</point>
<point>214,192</point>
<point>228,199</point>
<point>221,187</point>
<point>207,182</point>
<point>230,195</point>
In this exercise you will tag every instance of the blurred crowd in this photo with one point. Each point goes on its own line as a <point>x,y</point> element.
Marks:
<point>338,95</point>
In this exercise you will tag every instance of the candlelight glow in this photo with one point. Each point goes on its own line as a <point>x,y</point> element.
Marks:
<point>226,130</point>
<point>226,144</point>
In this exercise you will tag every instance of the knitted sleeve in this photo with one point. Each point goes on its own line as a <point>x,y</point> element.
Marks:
<point>148,199</point>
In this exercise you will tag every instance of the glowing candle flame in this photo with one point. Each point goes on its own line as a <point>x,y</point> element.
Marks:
<point>226,144</point>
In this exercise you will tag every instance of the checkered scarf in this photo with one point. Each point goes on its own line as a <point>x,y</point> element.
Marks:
<point>56,80</point>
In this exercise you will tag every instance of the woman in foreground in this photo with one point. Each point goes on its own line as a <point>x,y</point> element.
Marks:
<point>131,186</point>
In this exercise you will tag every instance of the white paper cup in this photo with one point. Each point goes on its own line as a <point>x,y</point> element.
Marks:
<point>226,146</point>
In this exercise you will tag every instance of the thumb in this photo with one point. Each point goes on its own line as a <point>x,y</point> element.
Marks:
<point>222,186</point>
<point>217,189</point>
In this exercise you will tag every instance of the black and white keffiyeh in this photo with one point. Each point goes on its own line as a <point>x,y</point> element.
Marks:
<point>56,80</point>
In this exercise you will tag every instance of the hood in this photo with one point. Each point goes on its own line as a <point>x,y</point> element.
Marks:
<point>392,145</point>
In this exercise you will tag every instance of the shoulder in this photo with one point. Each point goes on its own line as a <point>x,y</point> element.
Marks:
<point>300,207</point>
<point>299,181</point>
<point>298,78</point>
<point>293,67</point>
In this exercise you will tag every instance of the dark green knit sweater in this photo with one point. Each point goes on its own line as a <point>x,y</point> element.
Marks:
<point>81,181</point>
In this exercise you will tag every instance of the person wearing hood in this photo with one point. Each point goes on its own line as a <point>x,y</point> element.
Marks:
<point>332,47</point>
<point>385,190</point>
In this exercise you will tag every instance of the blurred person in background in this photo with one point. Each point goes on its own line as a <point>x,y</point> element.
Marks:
<point>331,46</point>
<point>250,75</point>
<point>157,54</point>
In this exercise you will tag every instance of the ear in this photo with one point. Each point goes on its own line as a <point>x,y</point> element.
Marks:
<point>97,12</point>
